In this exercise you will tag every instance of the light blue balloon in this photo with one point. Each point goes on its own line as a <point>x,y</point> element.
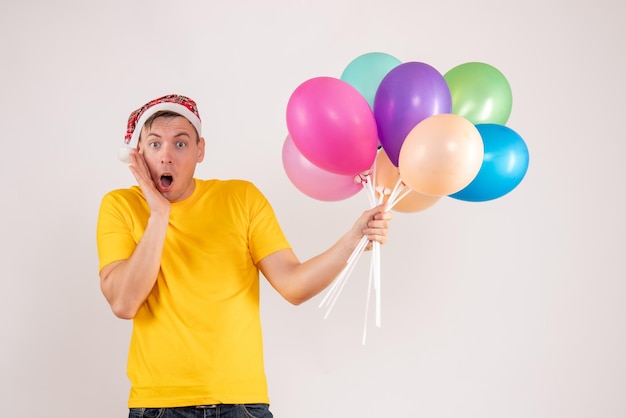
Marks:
<point>505,164</point>
<point>366,71</point>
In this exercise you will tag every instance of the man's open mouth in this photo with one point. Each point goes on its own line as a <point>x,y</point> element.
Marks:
<point>166,180</point>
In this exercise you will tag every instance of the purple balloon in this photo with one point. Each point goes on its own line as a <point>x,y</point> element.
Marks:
<point>408,94</point>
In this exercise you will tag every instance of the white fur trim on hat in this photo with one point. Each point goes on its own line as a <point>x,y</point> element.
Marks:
<point>172,103</point>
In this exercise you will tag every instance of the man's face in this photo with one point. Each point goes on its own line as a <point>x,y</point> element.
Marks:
<point>171,152</point>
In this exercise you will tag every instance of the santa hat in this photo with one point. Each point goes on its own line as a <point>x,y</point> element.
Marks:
<point>176,103</point>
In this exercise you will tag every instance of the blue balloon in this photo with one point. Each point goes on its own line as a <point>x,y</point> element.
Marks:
<point>504,166</point>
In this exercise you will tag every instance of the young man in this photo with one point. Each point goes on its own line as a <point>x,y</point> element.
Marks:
<point>181,257</point>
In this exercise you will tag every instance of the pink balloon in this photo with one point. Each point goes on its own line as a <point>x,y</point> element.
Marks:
<point>332,125</point>
<point>314,181</point>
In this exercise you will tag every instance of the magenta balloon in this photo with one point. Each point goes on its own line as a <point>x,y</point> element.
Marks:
<point>409,93</point>
<point>332,125</point>
<point>312,180</point>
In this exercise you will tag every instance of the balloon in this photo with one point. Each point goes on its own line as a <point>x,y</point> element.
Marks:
<point>441,155</point>
<point>312,180</point>
<point>386,175</point>
<point>366,71</point>
<point>505,164</point>
<point>332,125</point>
<point>480,93</point>
<point>408,94</point>
<point>415,202</point>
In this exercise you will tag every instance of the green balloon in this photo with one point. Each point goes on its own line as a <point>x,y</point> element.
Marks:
<point>480,93</point>
<point>366,71</point>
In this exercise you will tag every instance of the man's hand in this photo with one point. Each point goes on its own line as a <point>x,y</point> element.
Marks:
<point>374,224</point>
<point>158,204</point>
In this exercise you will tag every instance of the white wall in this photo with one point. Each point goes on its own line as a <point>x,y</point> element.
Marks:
<point>509,308</point>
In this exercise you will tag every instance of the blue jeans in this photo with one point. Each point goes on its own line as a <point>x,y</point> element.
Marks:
<point>209,411</point>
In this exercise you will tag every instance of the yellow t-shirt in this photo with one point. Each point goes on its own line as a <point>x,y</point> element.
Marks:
<point>197,338</point>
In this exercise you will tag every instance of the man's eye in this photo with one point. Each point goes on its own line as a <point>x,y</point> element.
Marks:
<point>180,144</point>
<point>154,144</point>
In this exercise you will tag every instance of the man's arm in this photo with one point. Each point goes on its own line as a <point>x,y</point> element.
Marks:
<point>127,283</point>
<point>299,281</point>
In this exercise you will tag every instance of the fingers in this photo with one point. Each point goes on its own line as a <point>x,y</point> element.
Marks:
<point>376,234</point>
<point>378,213</point>
<point>375,210</point>
<point>156,201</point>
<point>386,216</point>
<point>376,227</point>
<point>140,170</point>
<point>137,164</point>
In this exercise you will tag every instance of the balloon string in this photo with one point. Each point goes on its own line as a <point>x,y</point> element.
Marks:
<point>376,195</point>
<point>371,192</point>
<point>377,281</point>
<point>338,282</point>
<point>358,250</point>
<point>367,302</point>
<point>341,282</point>
<point>400,190</point>
<point>397,188</point>
<point>399,198</point>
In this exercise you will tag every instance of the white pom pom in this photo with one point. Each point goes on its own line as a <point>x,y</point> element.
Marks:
<point>123,154</point>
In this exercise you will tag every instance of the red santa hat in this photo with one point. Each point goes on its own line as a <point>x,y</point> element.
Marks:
<point>176,103</point>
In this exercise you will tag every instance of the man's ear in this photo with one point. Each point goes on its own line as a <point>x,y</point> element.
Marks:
<point>201,145</point>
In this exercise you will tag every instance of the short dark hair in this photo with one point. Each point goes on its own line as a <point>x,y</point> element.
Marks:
<point>165,114</point>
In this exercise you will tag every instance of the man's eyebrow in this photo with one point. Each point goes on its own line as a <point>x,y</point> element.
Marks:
<point>182,133</point>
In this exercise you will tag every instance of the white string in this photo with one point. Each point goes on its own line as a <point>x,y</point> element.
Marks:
<point>367,301</point>
<point>348,270</point>
<point>376,195</point>
<point>377,280</point>
<point>337,284</point>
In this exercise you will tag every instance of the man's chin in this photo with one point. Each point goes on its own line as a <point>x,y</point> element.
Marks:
<point>166,192</point>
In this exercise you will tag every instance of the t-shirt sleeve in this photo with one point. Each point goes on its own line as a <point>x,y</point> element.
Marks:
<point>114,238</point>
<point>265,234</point>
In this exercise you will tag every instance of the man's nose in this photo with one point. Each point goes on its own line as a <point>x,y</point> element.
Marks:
<point>166,154</point>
